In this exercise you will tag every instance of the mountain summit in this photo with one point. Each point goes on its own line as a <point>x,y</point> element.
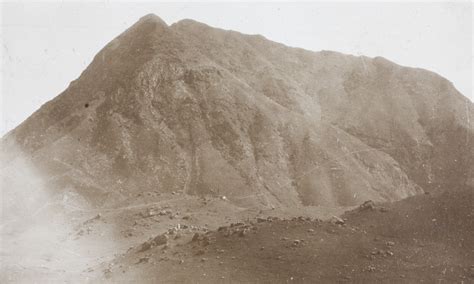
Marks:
<point>205,111</point>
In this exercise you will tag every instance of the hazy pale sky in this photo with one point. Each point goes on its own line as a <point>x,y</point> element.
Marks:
<point>47,45</point>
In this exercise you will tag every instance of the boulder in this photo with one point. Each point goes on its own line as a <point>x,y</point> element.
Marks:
<point>367,205</point>
<point>336,220</point>
<point>196,237</point>
<point>160,240</point>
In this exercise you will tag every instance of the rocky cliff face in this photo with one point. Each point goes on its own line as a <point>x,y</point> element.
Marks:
<point>192,108</point>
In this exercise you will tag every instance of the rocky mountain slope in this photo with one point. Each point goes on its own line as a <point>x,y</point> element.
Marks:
<point>194,109</point>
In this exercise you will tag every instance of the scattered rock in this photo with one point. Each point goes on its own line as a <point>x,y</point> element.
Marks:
<point>370,257</point>
<point>243,232</point>
<point>336,220</point>
<point>145,246</point>
<point>196,237</point>
<point>367,205</point>
<point>108,271</point>
<point>222,228</point>
<point>205,241</point>
<point>148,213</point>
<point>296,243</point>
<point>96,217</point>
<point>156,241</point>
<point>370,268</point>
<point>164,212</point>
<point>261,220</point>
<point>160,240</point>
<point>143,260</point>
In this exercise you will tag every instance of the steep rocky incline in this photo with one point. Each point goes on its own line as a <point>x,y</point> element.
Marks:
<point>197,109</point>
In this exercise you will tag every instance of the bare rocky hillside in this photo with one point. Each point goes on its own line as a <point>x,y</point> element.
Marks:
<point>194,109</point>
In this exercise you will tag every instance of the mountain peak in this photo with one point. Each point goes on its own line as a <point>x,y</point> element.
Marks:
<point>152,18</point>
<point>189,24</point>
<point>188,108</point>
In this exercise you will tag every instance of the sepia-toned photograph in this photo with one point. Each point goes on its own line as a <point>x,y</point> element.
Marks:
<point>236,142</point>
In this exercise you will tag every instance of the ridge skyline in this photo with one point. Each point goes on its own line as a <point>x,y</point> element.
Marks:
<point>74,57</point>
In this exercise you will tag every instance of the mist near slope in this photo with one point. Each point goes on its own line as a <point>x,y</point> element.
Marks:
<point>37,226</point>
